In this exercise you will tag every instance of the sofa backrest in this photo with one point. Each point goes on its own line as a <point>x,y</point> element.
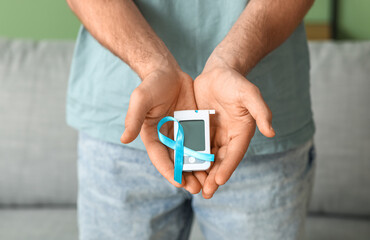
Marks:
<point>38,151</point>
<point>340,87</point>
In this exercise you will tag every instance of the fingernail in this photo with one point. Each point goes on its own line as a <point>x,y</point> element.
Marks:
<point>272,130</point>
<point>121,138</point>
<point>208,196</point>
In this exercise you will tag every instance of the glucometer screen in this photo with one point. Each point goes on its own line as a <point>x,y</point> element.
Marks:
<point>194,134</point>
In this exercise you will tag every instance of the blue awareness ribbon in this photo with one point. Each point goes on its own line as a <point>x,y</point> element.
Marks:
<point>180,149</point>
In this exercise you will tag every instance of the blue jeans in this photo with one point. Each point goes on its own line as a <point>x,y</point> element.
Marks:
<point>122,196</point>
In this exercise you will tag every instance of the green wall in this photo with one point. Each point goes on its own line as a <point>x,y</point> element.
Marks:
<point>354,24</point>
<point>37,19</point>
<point>52,19</point>
<point>320,12</point>
<point>353,17</point>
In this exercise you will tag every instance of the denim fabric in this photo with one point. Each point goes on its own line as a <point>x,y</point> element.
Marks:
<point>122,196</point>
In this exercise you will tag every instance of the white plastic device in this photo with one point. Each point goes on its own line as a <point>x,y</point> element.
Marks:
<point>196,127</point>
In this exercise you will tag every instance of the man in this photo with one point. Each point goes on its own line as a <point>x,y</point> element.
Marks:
<point>136,60</point>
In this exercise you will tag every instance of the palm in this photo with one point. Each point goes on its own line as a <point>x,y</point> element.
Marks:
<point>159,95</point>
<point>233,126</point>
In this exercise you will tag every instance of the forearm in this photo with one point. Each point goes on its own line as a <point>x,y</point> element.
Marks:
<point>262,27</point>
<point>120,27</point>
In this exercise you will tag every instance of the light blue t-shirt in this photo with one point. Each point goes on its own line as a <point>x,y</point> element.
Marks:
<point>100,83</point>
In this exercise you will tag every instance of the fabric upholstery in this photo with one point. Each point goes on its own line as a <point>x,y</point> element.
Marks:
<point>340,87</point>
<point>37,149</point>
<point>38,224</point>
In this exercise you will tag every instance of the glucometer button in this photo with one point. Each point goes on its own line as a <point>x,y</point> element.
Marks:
<point>191,160</point>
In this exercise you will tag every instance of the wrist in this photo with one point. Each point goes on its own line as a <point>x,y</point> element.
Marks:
<point>236,51</point>
<point>221,58</point>
<point>167,72</point>
<point>148,63</point>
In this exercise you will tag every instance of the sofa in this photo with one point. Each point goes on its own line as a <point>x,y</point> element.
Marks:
<point>38,182</point>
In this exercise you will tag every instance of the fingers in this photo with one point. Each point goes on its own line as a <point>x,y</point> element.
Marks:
<point>139,106</point>
<point>210,185</point>
<point>192,184</point>
<point>257,107</point>
<point>159,155</point>
<point>201,177</point>
<point>160,158</point>
<point>236,149</point>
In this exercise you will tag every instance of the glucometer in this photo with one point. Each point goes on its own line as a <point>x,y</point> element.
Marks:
<point>192,141</point>
<point>196,136</point>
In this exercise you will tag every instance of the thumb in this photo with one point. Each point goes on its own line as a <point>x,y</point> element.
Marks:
<point>252,99</point>
<point>139,106</point>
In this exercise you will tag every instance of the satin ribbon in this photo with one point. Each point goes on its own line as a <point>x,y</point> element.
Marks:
<point>180,149</point>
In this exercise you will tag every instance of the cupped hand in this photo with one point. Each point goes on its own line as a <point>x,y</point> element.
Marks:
<point>160,94</point>
<point>239,106</point>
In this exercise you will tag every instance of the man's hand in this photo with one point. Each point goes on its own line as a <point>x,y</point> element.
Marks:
<point>160,94</point>
<point>261,28</point>
<point>239,105</point>
<point>120,27</point>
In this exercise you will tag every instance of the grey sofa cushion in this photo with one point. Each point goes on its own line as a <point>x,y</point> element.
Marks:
<point>340,79</point>
<point>328,228</point>
<point>38,224</point>
<point>37,149</point>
